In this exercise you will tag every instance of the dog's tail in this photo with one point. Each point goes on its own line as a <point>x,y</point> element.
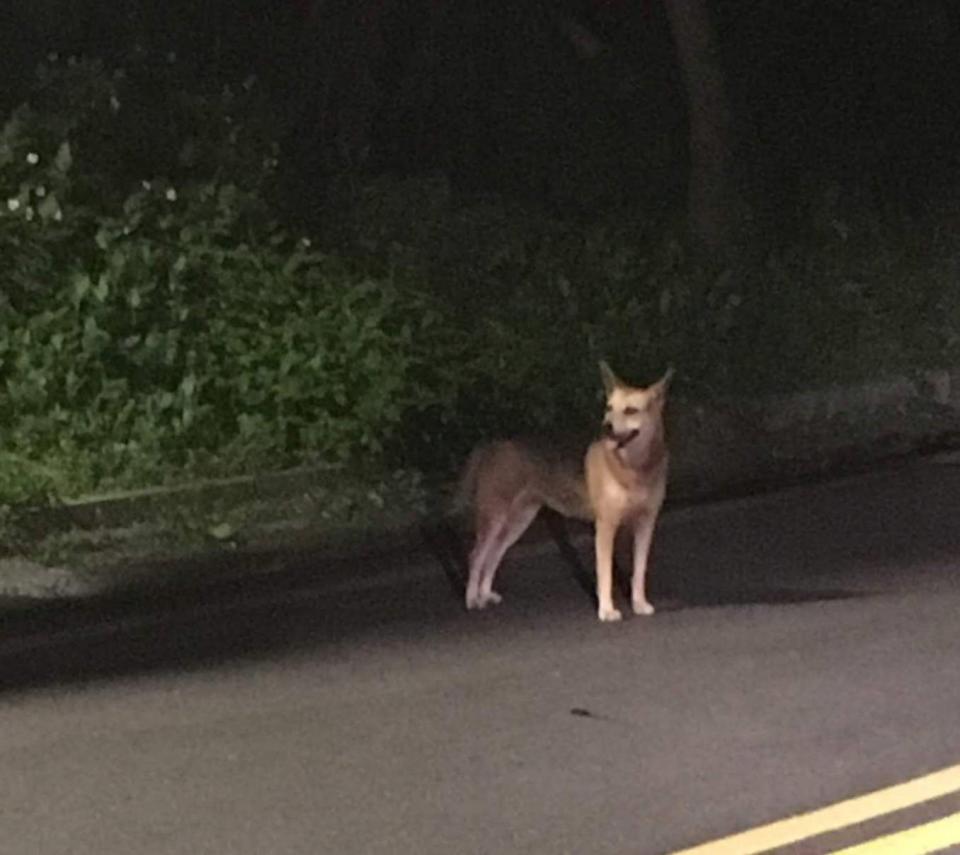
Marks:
<point>466,489</point>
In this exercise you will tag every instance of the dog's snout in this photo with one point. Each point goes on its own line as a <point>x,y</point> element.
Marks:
<point>607,429</point>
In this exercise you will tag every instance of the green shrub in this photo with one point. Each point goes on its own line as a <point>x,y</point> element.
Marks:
<point>849,296</point>
<point>172,348</point>
<point>176,328</point>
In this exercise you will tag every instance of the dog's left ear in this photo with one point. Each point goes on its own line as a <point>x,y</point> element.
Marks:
<point>610,380</point>
<point>659,389</point>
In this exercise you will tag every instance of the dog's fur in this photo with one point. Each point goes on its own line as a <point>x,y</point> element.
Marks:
<point>621,481</point>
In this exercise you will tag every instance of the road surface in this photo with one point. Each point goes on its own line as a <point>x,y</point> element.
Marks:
<point>806,651</point>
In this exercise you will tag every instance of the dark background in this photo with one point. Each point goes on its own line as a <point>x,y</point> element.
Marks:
<point>495,95</point>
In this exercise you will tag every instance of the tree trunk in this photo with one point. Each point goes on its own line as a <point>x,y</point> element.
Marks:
<point>710,211</point>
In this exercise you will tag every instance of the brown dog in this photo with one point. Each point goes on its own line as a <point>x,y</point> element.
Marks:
<point>620,482</point>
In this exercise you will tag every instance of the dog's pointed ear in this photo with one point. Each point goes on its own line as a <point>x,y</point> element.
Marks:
<point>610,380</point>
<point>659,389</point>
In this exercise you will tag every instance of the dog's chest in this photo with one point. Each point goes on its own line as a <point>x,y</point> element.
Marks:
<point>633,490</point>
<point>630,498</point>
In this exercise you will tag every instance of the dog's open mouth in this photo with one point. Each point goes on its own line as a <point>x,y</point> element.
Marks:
<point>624,439</point>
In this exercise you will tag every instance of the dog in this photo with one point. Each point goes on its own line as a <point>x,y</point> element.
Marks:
<point>620,482</point>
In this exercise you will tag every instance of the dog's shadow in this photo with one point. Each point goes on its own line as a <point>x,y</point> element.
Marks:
<point>672,601</point>
<point>445,543</point>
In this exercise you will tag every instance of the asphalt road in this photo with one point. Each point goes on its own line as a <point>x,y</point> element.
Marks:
<point>807,649</point>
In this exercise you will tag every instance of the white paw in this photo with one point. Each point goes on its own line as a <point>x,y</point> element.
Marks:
<point>642,607</point>
<point>473,602</point>
<point>609,614</point>
<point>491,598</point>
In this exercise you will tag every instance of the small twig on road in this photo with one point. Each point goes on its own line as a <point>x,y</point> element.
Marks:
<point>581,712</point>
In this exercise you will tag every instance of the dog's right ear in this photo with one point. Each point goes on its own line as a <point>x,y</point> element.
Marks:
<point>610,380</point>
<point>659,389</point>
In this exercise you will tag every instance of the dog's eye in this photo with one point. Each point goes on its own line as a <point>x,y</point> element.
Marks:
<point>630,411</point>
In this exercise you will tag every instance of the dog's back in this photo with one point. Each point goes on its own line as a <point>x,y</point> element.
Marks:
<point>500,474</point>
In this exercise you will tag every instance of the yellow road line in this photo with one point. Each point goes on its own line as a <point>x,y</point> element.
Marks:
<point>930,837</point>
<point>839,815</point>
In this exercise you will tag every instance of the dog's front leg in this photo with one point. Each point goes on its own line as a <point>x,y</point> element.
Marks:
<point>642,536</point>
<point>605,533</point>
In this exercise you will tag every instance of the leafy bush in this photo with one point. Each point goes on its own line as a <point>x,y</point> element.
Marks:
<point>164,358</point>
<point>848,296</point>
<point>180,328</point>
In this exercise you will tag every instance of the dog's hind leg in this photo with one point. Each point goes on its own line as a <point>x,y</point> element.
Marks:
<point>517,521</point>
<point>488,532</point>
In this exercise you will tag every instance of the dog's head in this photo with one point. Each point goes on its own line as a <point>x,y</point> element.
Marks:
<point>634,413</point>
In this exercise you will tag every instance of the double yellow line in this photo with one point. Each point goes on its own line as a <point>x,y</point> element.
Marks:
<point>930,837</point>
